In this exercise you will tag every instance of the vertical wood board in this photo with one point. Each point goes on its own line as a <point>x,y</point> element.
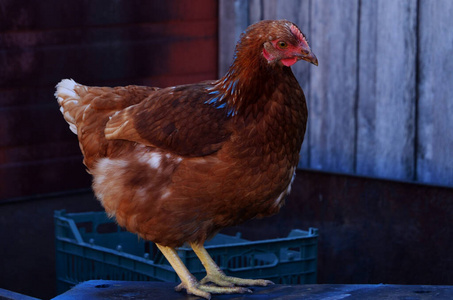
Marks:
<point>387,89</point>
<point>333,85</point>
<point>435,107</point>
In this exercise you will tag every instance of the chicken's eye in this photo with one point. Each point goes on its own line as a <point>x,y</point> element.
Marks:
<point>282,44</point>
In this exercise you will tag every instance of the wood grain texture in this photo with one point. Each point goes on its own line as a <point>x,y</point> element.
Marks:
<point>380,100</point>
<point>333,85</point>
<point>435,107</point>
<point>387,89</point>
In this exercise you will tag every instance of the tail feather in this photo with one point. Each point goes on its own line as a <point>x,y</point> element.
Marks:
<point>66,87</point>
<point>78,102</point>
<point>69,101</point>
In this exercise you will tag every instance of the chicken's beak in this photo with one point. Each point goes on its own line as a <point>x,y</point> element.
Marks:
<point>306,54</point>
<point>310,57</point>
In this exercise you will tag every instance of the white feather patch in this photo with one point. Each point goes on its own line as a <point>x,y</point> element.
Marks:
<point>66,88</point>
<point>154,160</point>
<point>73,128</point>
<point>279,198</point>
<point>84,111</point>
<point>288,189</point>
<point>68,117</point>
<point>105,169</point>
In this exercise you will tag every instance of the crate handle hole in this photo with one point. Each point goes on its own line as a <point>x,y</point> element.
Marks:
<point>102,286</point>
<point>252,260</point>
<point>107,228</point>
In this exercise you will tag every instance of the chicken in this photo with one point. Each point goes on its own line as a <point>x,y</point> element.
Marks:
<point>175,165</point>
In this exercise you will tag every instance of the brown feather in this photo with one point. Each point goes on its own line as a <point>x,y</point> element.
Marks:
<point>173,119</point>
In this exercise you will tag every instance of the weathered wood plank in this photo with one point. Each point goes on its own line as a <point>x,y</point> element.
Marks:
<point>233,20</point>
<point>364,114</point>
<point>435,107</point>
<point>387,89</point>
<point>256,10</point>
<point>164,290</point>
<point>333,85</point>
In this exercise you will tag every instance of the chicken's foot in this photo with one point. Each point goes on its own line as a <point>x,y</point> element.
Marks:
<point>216,275</point>
<point>188,281</point>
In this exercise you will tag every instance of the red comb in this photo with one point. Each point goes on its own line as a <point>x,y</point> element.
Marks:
<point>297,33</point>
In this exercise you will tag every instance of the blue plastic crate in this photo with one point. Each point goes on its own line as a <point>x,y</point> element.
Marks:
<point>91,246</point>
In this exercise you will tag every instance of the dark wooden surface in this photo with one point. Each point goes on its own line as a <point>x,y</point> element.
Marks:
<point>381,99</point>
<point>9,295</point>
<point>103,289</point>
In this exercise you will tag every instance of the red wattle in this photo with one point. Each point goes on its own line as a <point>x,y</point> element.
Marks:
<point>289,61</point>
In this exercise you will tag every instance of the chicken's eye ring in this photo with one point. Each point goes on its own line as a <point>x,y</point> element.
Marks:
<point>282,45</point>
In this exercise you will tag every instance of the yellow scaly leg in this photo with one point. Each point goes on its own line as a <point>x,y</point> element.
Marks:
<point>216,275</point>
<point>188,281</point>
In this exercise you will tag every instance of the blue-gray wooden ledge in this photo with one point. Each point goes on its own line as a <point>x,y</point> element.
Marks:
<point>105,289</point>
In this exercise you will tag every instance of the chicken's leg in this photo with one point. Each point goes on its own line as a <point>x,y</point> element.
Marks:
<point>188,281</point>
<point>216,275</point>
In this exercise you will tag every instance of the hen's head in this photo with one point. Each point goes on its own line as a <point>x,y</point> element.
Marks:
<point>279,42</point>
<point>262,59</point>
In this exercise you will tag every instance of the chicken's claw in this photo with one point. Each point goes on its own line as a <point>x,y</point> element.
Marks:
<point>193,290</point>
<point>205,291</point>
<point>218,280</point>
<point>221,279</point>
<point>216,275</point>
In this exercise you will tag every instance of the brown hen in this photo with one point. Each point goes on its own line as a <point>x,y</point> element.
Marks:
<point>176,165</point>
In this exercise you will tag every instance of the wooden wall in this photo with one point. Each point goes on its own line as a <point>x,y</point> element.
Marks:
<point>95,42</point>
<point>381,100</point>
